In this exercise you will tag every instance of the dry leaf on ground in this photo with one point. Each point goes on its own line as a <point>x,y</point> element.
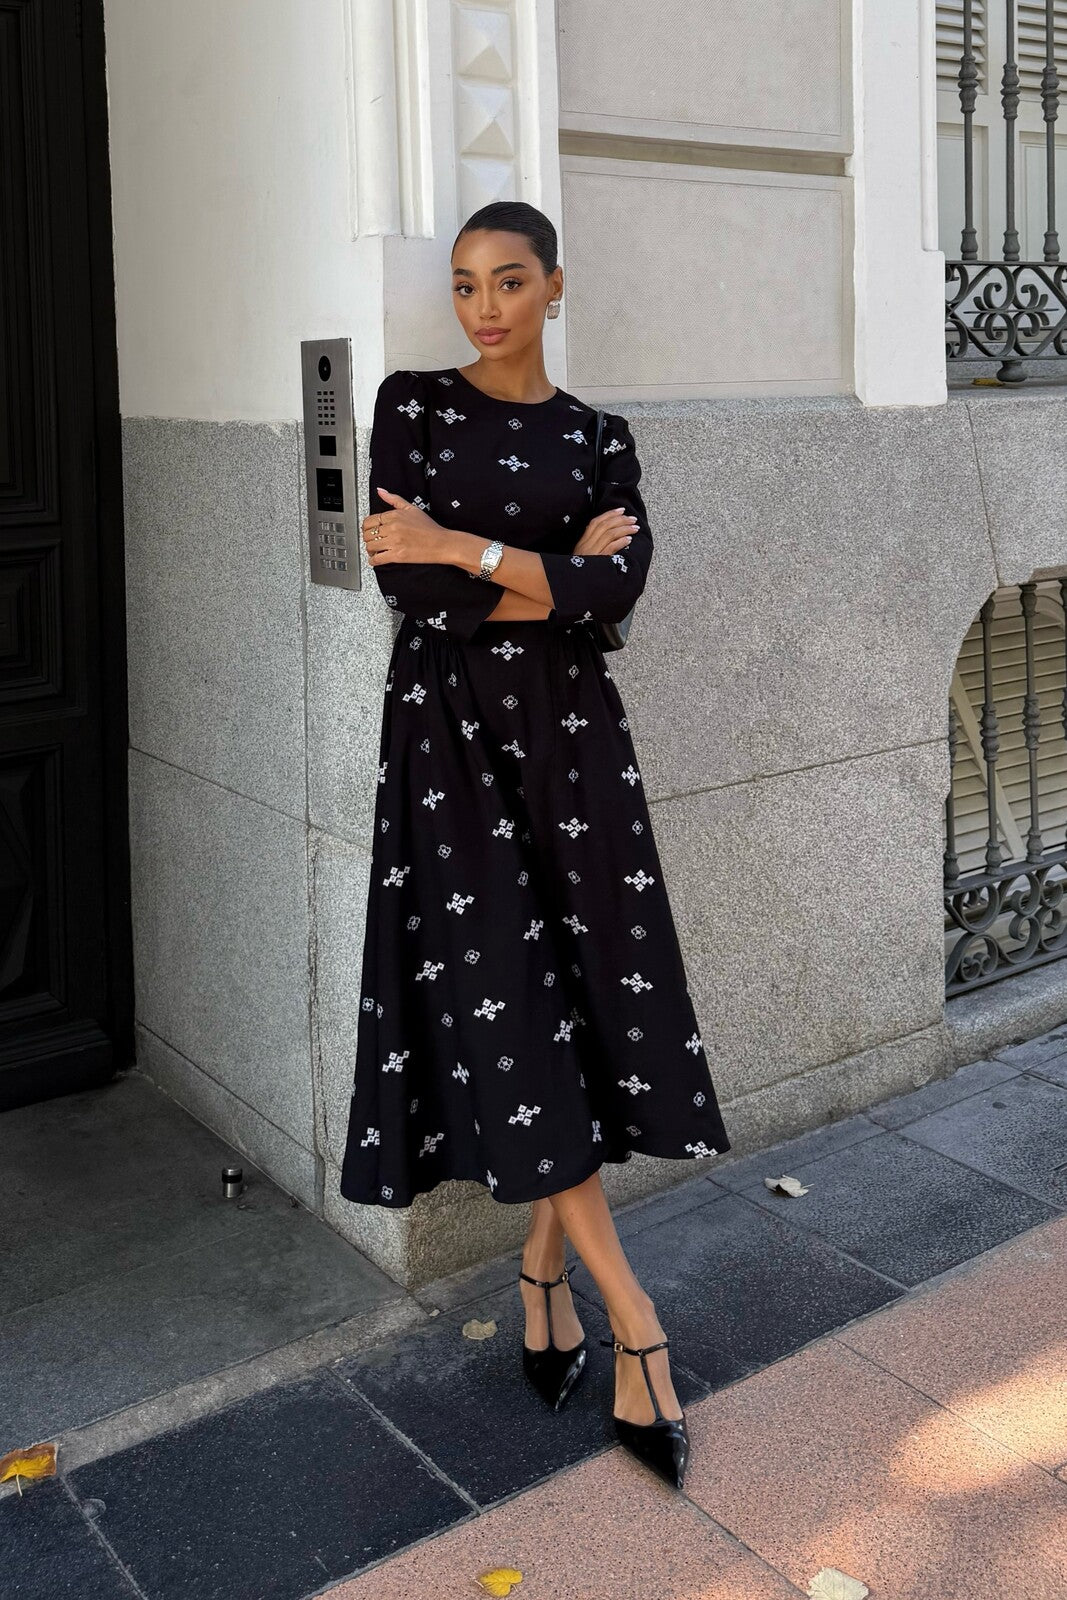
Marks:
<point>830,1584</point>
<point>31,1461</point>
<point>500,1581</point>
<point>791,1186</point>
<point>478,1330</point>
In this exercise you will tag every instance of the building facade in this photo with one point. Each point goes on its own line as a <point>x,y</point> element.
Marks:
<point>755,206</point>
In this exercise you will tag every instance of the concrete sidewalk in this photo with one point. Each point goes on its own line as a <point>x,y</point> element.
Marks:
<point>921,1451</point>
<point>874,1373</point>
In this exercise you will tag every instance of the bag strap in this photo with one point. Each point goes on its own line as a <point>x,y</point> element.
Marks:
<point>596,454</point>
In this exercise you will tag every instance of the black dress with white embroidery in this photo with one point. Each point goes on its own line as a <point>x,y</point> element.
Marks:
<point>524,1008</point>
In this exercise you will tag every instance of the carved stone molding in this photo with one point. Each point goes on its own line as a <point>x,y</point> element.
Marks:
<point>485,72</point>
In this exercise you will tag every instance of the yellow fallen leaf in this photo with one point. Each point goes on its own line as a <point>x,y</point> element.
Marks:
<point>500,1581</point>
<point>830,1584</point>
<point>479,1330</point>
<point>31,1461</point>
<point>784,1185</point>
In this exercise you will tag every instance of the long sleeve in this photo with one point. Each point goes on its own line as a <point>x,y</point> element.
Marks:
<point>443,595</point>
<point>604,588</point>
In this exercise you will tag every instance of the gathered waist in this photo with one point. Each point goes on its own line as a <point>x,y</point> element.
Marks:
<point>533,635</point>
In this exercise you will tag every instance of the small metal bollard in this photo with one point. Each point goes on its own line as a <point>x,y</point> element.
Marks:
<point>232,1182</point>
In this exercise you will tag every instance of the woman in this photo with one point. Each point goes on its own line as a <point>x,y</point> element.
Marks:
<point>525,1015</point>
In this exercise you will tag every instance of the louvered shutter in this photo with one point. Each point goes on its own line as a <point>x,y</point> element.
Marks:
<point>1012,765</point>
<point>950,42</point>
<point>1030,47</point>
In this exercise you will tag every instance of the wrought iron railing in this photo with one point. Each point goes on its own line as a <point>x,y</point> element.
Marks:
<point>1006,309</point>
<point>1012,913</point>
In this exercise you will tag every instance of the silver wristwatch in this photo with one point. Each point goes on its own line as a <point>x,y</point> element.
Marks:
<point>491,557</point>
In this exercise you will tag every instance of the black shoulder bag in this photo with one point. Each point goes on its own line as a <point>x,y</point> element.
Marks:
<point>612,635</point>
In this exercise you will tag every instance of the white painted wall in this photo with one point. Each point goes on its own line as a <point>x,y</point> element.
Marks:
<point>230,170</point>
<point>284,171</point>
<point>899,269</point>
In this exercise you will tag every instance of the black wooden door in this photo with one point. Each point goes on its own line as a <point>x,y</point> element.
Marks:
<point>64,864</point>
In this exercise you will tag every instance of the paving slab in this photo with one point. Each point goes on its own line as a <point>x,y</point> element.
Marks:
<point>48,1548</point>
<point>964,1082</point>
<point>604,1530</point>
<point>901,1208</point>
<point>778,1158</point>
<point>989,1342</point>
<point>827,1460</point>
<point>467,1404</point>
<point>1016,1132</point>
<point>74,1358</point>
<point>736,1287</point>
<point>1055,1070</point>
<point>1029,1052</point>
<point>268,1499</point>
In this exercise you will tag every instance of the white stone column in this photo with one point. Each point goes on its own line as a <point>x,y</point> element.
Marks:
<point>899,268</point>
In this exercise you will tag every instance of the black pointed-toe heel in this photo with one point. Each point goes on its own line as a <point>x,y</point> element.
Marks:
<point>663,1444</point>
<point>553,1372</point>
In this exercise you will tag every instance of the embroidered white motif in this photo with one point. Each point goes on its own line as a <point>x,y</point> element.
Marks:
<point>512,461</point>
<point>525,1115</point>
<point>640,880</point>
<point>573,723</point>
<point>507,649</point>
<point>636,983</point>
<point>459,903</point>
<point>633,1083</point>
<point>489,1008</point>
<point>574,827</point>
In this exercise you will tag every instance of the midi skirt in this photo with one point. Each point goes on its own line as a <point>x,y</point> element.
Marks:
<point>524,1009</point>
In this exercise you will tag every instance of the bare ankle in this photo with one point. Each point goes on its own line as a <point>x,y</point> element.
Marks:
<point>539,1264</point>
<point>634,1315</point>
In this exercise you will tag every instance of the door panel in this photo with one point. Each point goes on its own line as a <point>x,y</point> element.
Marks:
<point>64,934</point>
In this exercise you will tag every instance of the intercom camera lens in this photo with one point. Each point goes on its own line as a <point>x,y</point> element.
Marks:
<point>324,368</point>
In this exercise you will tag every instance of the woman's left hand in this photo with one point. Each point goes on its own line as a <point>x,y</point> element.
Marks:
<point>402,534</point>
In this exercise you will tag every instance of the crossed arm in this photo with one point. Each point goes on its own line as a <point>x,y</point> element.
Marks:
<point>407,534</point>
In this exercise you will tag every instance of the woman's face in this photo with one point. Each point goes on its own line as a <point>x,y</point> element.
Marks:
<point>498,284</point>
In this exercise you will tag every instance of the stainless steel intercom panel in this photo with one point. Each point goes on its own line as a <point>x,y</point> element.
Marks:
<point>330,455</point>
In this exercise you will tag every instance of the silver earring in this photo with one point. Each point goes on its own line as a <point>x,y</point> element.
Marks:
<point>553,308</point>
